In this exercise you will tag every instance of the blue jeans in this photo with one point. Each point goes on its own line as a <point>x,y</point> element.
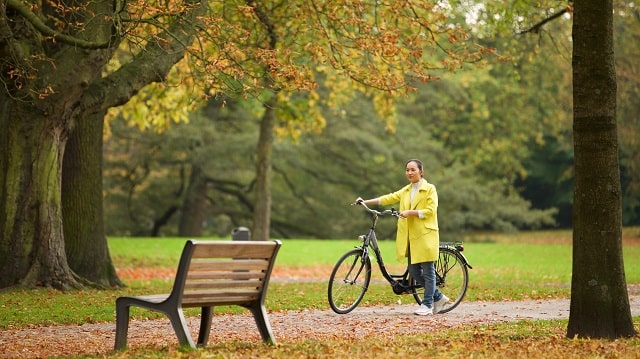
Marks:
<point>425,274</point>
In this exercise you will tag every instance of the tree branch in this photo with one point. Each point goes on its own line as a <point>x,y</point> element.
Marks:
<point>45,30</point>
<point>536,28</point>
<point>151,64</point>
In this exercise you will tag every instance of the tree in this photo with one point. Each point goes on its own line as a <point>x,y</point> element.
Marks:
<point>83,219</point>
<point>599,298</point>
<point>193,210</point>
<point>51,77</point>
<point>36,121</point>
<point>627,31</point>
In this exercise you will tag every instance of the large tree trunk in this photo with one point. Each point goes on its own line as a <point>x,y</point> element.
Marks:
<point>32,251</point>
<point>49,76</point>
<point>84,234</point>
<point>262,209</point>
<point>599,299</point>
<point>38,107</point>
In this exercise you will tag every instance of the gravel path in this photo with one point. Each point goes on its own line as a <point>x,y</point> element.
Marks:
<point>42,342</point>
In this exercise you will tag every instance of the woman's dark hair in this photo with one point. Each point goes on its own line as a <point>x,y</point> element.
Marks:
<point>417,161</point>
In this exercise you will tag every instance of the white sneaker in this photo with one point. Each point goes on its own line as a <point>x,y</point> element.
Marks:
<point>423,310</point>
<point>439,305</point>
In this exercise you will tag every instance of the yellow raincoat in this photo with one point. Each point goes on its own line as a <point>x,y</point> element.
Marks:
<point>421,234</point>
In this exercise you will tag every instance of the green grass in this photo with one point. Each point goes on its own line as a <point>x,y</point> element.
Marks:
<point>164,251</point>
<point>513,266</point>
<point>504,268</point>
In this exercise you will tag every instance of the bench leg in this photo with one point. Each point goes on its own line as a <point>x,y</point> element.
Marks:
<point>122,324</point>
<point>205,326</point>
<point>262,321</point>
<point>176,316</point>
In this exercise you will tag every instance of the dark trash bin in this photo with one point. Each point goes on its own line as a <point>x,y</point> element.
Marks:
<point>241,234</point>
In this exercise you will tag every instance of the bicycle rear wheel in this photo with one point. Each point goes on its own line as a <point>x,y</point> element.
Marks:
<point>349,281</point>
<point>452,277</point>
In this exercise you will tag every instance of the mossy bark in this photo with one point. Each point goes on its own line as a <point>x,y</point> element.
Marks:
<point>32,250</point>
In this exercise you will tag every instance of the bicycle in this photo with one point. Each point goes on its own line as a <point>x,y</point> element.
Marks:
<point>351,275</point>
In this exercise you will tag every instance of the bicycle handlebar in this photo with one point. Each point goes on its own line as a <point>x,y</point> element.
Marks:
<point>391,211</point>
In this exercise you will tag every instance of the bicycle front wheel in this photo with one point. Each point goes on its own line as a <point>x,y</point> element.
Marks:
<point>349,281</point>
<point>452,277</point>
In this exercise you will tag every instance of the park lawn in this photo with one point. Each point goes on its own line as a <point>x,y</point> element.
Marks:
<point>534,265</point>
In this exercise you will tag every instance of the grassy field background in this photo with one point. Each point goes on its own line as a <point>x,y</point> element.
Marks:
<point>505,267</point>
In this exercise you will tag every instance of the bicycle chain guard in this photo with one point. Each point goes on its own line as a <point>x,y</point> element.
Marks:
<point>401,287</point>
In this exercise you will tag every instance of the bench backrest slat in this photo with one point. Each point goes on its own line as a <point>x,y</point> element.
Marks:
<point>226,264</point>
<point>234,249</point>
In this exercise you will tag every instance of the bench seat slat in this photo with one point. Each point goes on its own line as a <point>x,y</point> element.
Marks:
<point>189,286</point>
<point>238,300</point>
<point>153,298</point>
<point>192,295</point>
<point>213,297</point>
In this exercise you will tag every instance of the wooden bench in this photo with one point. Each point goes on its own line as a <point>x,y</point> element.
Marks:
<point>210,273</point>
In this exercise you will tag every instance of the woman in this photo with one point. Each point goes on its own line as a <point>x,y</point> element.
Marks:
<point>417,235</point>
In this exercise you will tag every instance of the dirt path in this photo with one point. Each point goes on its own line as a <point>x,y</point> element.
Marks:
<point>42,342</point>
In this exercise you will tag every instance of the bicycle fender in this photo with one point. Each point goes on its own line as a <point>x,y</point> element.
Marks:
<point>451,245</point>
<point>465,261</point>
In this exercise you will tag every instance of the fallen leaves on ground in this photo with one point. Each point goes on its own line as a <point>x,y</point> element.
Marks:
<point>279,273</point>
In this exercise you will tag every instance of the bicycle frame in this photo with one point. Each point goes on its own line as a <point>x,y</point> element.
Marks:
<point>370,240</point>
